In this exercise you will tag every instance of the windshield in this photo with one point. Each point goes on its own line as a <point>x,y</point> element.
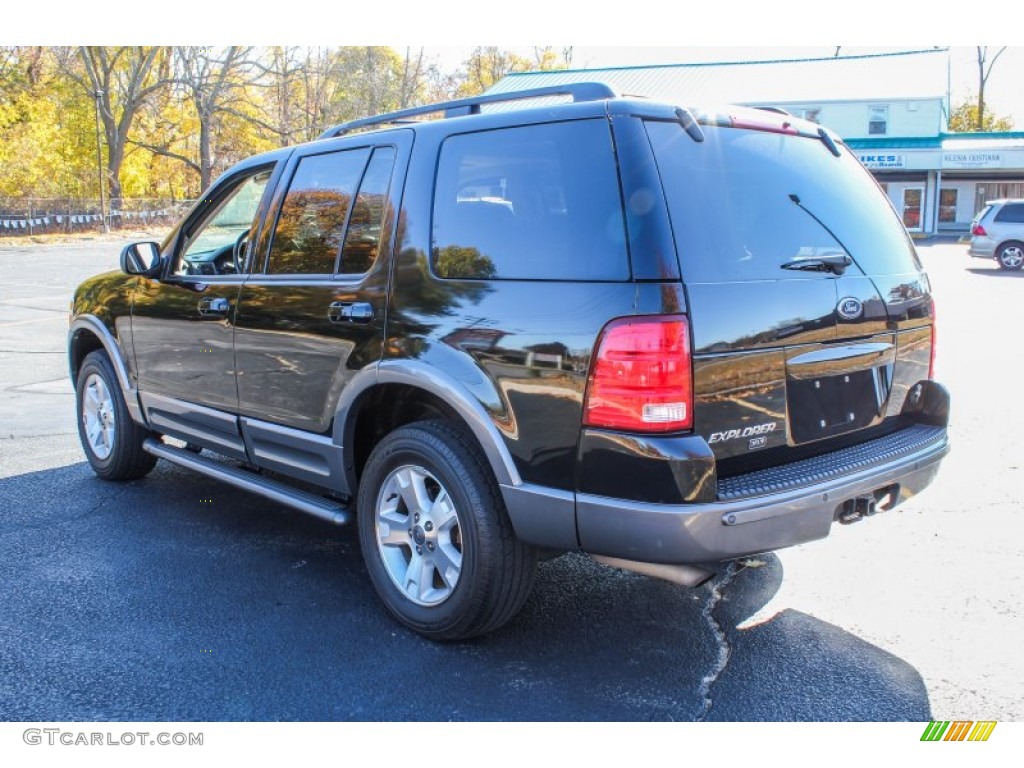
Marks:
<point>743,203</point>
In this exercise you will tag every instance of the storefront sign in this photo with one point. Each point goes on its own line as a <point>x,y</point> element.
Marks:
<point>972,160</point>
<point>880,160</point>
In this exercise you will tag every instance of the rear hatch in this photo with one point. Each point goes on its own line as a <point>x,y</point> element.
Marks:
<point>809,309</point>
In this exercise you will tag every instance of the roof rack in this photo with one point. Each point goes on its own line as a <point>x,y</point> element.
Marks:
<point>471,106</point>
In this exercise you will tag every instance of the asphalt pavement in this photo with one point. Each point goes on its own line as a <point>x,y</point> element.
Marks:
<point>177,598</point>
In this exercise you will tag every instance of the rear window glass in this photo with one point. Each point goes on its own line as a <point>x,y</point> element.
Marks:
<point>536,202</point>
<point>743,203</point>
<point>1011,213</point>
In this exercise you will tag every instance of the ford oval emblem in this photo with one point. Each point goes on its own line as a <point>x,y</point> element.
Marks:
<point>850,308</point>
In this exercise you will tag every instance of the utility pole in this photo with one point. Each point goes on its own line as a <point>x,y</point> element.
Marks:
<point>99,164</point>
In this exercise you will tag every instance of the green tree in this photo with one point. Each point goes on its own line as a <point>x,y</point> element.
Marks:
<point>47,144</point>
<point>965,118</point>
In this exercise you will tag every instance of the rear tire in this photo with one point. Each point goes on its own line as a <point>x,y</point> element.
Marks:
<point>1010,255</point>
<point>112,441</point>
<point>436,538</point>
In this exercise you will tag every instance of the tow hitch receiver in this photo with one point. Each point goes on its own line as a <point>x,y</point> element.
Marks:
<point>852,510</point>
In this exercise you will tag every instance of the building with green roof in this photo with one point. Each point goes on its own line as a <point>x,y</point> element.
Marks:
<point>892,110</point>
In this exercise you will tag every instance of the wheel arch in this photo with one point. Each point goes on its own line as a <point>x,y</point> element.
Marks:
<point>410,391</point>
<point>88,334</point>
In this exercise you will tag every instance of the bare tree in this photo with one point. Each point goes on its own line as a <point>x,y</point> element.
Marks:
<point>215,84</point>
<point>120,80</point>
<point>412,81</point>
<point>984,70</point>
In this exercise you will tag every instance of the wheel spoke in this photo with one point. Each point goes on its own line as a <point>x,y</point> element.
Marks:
<point>393,534</point>
<point>442,512</point>
<point>414,490</point>
<point>448,561</point>
<point>418,577</point>
<point>93,432</point>
<point>101,391</point>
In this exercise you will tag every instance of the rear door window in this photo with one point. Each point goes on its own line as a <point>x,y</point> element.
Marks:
<point>1012,213</point>
<point>745,202</point>
<point>537,202</point>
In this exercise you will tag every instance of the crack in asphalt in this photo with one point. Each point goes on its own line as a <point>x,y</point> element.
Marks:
<point>19,528</point>
<point>721,641</point>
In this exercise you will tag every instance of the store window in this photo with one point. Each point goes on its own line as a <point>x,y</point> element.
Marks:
<point>947,206</point>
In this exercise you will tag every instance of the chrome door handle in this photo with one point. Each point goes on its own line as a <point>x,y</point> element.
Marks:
<point>344,312</point>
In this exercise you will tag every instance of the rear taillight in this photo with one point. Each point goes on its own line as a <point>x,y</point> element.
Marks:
<point>979,230</point>
<point>641,377</point>
<point>935,329</point>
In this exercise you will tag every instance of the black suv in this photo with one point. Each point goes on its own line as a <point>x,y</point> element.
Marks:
<point>663,337</point>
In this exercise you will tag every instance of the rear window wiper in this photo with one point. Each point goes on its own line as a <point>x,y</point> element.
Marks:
<point>833,262</point>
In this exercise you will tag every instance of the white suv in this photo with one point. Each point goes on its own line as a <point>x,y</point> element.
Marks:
<point>997,232</point>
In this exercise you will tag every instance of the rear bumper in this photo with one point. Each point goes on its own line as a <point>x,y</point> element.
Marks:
<point>700,533</point>
<point>982,248</point>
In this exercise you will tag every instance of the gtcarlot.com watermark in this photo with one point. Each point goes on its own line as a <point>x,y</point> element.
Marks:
<point>58,736</point>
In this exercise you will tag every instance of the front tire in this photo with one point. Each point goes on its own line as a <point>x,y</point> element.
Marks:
<point>1010,255</point>
<point>436,539</point>
<point>112,441</point>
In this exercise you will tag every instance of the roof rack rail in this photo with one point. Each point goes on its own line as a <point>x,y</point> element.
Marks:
<point>776,110</point>
<point>471,106</point>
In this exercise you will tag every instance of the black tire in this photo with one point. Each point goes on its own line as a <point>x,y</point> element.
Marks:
<point>1010,255</point>
<point>121,457</point>
<point>495,570</point>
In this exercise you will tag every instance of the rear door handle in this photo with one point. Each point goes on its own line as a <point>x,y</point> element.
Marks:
<point>214,306</point>
<point>345,312</point>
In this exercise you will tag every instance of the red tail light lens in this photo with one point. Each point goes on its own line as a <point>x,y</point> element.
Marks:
<point>641,377</point>
<point>977,229</point>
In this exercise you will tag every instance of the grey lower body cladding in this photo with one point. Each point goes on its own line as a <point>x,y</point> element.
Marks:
<point>765,510</point>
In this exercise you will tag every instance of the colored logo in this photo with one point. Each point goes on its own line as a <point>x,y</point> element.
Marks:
<point>958,730</point>
<point>850,308</point>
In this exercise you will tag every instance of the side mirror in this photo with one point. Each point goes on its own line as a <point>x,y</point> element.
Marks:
<point>140,258</point>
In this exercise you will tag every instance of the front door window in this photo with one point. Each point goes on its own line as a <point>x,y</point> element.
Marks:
<point>216,246</point>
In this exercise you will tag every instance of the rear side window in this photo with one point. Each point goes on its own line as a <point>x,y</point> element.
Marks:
<point>536,202</point>
<point>744,202</point>
<point>1012,213</point>
<point>369,215</point>
<point>308,235</point>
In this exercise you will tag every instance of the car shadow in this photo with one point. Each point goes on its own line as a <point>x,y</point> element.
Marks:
<point>177,598</point>
<point>996,272</point>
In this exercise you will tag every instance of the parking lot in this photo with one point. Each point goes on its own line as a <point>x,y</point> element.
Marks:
<point>179,598</point>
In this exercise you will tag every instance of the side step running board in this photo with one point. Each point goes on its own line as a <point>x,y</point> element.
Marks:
<point>303,501</point>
